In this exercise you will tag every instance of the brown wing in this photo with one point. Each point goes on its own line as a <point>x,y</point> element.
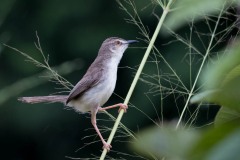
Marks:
<point>90,79</point>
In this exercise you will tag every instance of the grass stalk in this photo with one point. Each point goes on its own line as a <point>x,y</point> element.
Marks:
<point>139,71</point>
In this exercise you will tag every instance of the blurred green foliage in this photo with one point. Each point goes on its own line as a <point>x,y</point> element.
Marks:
<point>218,143</point>
<point>220,85</point>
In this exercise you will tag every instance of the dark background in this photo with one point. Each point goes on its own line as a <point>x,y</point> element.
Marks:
<point>71,30</point>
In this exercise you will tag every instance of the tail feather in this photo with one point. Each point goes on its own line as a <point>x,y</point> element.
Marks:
<point>41,99</point>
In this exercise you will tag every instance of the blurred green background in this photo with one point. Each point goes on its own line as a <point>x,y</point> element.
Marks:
<point>70,30</point>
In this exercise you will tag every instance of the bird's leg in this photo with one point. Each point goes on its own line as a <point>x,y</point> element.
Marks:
<point>94,123</point>
<point>120,105</point>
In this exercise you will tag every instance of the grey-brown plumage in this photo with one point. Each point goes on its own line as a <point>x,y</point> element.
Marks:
<point>96,86</point>
<point>97,69</point>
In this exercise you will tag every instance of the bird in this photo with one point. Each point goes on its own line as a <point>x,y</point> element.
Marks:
<point>96,86</point>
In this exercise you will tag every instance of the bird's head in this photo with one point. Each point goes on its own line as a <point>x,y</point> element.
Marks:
<point>116,45</point>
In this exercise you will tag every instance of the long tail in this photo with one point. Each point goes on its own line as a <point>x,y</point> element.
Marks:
<point>40,99</point>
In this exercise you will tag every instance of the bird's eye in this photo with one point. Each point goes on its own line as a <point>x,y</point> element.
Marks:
<point>118,43</point>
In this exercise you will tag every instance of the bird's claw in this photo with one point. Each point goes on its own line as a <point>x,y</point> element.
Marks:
<point>107,146</point>
<point>123,106</point>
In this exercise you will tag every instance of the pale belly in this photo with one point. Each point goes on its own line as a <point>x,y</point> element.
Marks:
<point>96,96</point>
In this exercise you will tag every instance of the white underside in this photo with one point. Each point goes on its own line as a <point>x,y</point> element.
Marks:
<point>99,94</point>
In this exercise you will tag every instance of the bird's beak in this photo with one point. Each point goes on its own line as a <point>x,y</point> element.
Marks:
<point>131,41</point>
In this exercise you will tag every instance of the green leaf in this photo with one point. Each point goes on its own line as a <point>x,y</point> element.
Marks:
<point>225,70</point>
<point>226,115</point>
<point>203,96</point>
<point>188,10</point>
<point>166,142</point>
<point>220,143</point>
<point>234,73</point>
<point>227,96</point>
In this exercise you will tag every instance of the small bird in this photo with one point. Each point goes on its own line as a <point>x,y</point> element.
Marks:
<point>96,86</point>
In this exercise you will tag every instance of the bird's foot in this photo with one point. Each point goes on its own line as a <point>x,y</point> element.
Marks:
<point>123,106</point>
<point>120,105</point>
<point>107,146</point>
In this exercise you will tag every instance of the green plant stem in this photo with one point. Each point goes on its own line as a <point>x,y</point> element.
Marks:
<point>139,71</point>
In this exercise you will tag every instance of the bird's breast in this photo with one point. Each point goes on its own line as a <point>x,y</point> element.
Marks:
<point>101,92</point>
<point>108,84</point>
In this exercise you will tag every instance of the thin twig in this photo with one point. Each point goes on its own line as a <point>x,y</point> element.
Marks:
<point>200,69</point>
